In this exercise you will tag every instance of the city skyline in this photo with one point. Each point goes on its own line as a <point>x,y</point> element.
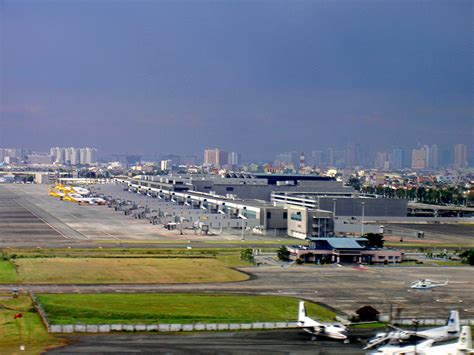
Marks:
<point>181,77</point>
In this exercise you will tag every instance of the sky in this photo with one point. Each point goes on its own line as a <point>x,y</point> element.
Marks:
<point>256,77</point>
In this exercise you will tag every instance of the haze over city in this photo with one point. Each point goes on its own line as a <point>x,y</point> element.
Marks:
<point>259,78</point>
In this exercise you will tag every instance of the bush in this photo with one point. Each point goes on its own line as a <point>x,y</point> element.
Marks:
<point>468,256</point>
<point>283,253</point>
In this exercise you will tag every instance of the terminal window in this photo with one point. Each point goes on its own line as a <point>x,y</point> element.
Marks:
<point>296,216</point>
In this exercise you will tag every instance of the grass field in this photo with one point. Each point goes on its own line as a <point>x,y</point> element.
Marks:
<point>121,270</point>
<point>7,272</point>
<point>173,308</point>
<point>27,330</point>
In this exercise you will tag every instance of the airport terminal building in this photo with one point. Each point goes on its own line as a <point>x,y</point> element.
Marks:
<point>343,250</point>
<point>285,206</point>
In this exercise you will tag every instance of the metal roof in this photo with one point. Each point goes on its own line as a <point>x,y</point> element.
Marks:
<point>341,243</point>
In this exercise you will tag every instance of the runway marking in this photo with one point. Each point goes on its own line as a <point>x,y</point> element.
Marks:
<point>48,224</point>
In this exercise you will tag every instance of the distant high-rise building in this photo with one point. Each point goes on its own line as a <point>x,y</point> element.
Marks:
<point>340,158</point>
<point>88,156</point>
<point>351,155</point>
<point>302,160</point>
<point>39,159</point>
<point>317,157</point>
<point>330,157</point>
<point>165,165</point>
<point>72,156</point>
<point>396,161</point>
<point>287,158</point>
<point>215,157</point>
<point>419,158</point>
<point>433,157</point>
<point>15,154</point>
<point>460,156</point>
<point>58,155</point>
<point>382,161</point>
<point>233,159</point>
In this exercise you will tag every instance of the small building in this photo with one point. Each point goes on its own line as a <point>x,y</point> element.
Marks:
<point>367,314</point>
<point>343,250</point>
<point>306,222</point>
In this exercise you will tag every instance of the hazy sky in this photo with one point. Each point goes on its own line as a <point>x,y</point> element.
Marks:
<point>258,77</point>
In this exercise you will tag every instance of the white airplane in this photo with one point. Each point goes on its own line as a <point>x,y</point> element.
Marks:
<point>73,189</point>
<point>449,331</point>
<point>73,197</point>
<point>426,284</point>
<point>80,190</point>
<point>462,347</point>
<point>328,330</point>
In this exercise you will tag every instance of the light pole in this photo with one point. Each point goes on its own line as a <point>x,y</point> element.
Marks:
<point>362,220</point>
<point>415,323</point>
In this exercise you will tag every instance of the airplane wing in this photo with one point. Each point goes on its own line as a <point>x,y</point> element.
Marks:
<point>391,326</point>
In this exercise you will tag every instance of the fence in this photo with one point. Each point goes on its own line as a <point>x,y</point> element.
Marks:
<point>40,310</point>
<point>429,322</point>
<point>106,328</point>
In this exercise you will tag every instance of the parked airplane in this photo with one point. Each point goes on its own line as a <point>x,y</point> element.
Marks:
<point>449,331</point>
<point>73,197</point>
<point>462,347</point>
<point>74,189</point>
<point>56,193</point>
<point>328,330</point>
<point>426,284</point>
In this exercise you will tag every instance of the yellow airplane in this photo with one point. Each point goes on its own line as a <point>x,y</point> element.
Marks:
<point>55,193</point>
<point>71,189</point>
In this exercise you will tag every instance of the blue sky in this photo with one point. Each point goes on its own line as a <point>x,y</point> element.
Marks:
<point>258,77</point>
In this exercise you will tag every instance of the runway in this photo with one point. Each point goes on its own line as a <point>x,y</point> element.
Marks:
<point>19,221</point>
<point>343,288</point>
<point>260,342</point>
<point>61,224</point>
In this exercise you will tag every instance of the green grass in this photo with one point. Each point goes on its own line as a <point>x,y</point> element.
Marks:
<point>173,308</point>
<point>124,270</point>
<point>374,325</point>
<point>28,330</point>
<point>232,260</point>
<point>7,272</point>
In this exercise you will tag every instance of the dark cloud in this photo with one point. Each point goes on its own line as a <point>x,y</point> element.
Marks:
<point>257,77</point>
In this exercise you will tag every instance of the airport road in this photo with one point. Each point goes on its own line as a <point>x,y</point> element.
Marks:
<point>257,342</point>
<point>343,288</point>
<point>446,232</point>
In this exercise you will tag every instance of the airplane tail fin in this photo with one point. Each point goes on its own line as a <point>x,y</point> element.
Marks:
<point>301,312</point>
<point>465,339</point>
<point>453,325</point>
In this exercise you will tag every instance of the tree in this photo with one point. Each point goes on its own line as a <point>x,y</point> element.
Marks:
<point>468,255</point>
<point>247,255</point>
<point>374,240</point>
<point>283,253</point>
<point>354,182</point>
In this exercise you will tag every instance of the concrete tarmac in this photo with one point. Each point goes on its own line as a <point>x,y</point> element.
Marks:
<point>257,342</point>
